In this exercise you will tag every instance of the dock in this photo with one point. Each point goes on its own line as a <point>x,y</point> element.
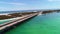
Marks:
<point>7,25</point>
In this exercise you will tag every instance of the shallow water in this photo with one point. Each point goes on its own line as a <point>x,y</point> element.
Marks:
<point>7,20</point>
<point>42,24</point>
<point>4,21</point>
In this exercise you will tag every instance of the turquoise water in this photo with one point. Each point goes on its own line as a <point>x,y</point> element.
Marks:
<point>3,21</point>
<point>6,20</point>
<point>41,24</point>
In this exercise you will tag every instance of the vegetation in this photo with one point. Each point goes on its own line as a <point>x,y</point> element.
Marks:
<point>14,15</point>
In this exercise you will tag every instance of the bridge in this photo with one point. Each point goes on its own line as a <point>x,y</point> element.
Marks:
<point>8,25</point>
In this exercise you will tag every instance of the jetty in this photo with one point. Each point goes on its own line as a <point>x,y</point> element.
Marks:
<point>6,26</point>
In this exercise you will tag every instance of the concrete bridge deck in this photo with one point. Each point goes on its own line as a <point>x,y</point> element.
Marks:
<point>14,22</point>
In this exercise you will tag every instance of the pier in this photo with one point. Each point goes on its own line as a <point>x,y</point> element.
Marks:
<point>7,25</point>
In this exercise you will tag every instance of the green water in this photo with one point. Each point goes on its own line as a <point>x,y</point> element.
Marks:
<point>42,24</point>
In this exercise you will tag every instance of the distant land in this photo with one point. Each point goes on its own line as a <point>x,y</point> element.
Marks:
<point>17,11</point>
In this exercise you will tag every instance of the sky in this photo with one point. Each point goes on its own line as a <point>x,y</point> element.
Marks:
<point>9,5</point>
